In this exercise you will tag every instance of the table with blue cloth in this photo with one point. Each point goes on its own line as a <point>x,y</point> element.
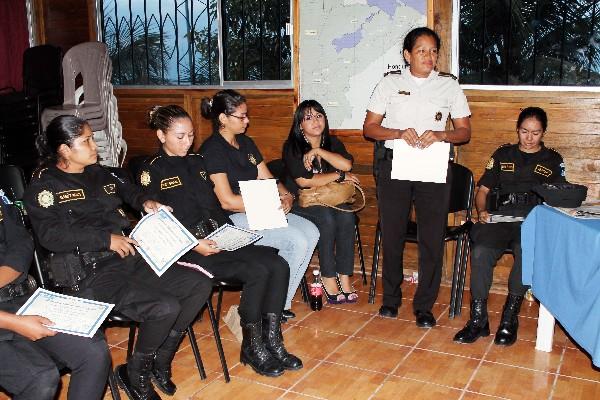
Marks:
<point>561,262</point>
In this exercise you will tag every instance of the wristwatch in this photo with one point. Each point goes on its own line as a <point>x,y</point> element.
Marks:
<point>342,176</point>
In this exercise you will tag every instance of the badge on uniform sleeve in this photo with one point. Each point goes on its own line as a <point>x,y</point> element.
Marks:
<point>490,164</point>
<point>203,174</point>
<point>252,159</point>
<point>145,178</point>
<point>45,198</point>
<point>438,116</point>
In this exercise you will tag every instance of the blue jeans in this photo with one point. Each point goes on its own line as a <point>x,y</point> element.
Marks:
<point>296,245</point>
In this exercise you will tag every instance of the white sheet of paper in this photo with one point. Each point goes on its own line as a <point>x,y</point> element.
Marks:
<point>495,218</point>
<point>229,237</point>
<point>262,204</point>
<point>72,315</point>
<point>424,165</point>
<point>162,240</point>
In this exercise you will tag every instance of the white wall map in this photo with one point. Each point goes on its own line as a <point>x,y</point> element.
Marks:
<point>345,48</point>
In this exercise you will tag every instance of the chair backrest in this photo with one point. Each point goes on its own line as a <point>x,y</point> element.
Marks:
<point>42,70</point>
<point>134,165</point>
<point>12,181</point>
<point>276,167</point>
<point>91,60</point>
<point>462,189</point>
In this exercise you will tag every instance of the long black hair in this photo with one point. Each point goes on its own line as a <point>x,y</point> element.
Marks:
<point>61,130</point>
<point>296,141</point>
<point>223,102</point>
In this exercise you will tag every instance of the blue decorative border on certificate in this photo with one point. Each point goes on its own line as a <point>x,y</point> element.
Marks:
<point>165,214</point>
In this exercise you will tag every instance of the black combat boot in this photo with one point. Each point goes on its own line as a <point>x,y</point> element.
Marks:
<point>161,372</point>
<point>507,331</point>
<point>134,377</point>
<point>255,353</point>
<point>478,326</point>
<point>273,339</point>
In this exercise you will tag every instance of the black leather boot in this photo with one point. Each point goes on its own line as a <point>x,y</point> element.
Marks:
<point>255,353</point>
<point>134,377</point>
<point>161,372</point>
<point>509,325</point>
<point>273,339</point>
<point>478,326</point>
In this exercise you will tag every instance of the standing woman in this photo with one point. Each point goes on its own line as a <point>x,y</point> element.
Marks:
<point>413,105</point>
<point>314,158</point>
<point>75,208</point>
<point>230,157</point>
<point>263,274</point>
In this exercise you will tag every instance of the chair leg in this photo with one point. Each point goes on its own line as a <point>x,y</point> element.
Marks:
<point>219,303</point>
<point>463,274</point>
<point>455,274</point>
<point>361,256</point>
<point>112,385</point>
<point>374,268</point>
<point>196,351</point>
<point>304,289</point>
<point>131,340</point>
<point>215,328</point>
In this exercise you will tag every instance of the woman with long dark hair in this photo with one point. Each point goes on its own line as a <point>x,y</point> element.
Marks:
<point>230,157</point>
<point>263,274</point>
<point>74,205</point>
<point>313,158</point>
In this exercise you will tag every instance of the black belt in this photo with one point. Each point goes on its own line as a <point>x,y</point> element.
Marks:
<point>389,154</point>
<point>517,198</point>
<point>14,290</point>
<point>89,265</point>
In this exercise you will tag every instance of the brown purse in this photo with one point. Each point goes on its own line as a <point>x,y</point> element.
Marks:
<point>332,195</point>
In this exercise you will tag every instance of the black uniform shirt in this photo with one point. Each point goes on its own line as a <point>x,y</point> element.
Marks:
<point>239,164</point>
<point>16,249</point>
<point>70,210</point>
<point>294,164</point>
<point>184,185</point>
<point>512,170</point>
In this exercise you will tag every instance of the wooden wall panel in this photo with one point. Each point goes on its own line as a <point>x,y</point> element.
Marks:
<point>64,23</point>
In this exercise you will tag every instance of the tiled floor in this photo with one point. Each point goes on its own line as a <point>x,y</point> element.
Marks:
<point>351,353</point>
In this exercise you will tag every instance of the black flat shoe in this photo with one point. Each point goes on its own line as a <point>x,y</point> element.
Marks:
<point>424,319</point>
<point>288,314</point>
<point>388,312</point>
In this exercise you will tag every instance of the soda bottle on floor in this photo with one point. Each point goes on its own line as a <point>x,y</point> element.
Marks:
<point>316,292</point>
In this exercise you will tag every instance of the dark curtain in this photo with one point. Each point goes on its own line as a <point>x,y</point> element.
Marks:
<point>14,39</point>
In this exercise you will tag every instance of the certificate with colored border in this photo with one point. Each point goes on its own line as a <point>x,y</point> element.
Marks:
<point>162,240</point>
<point>230,238</point>
<point>72,315</point>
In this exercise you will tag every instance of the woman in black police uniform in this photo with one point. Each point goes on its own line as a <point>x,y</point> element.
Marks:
<point>505,188</point>
<point>180,179</point>
<point>413,105</point>
<point>74,207</point>
<point>313,158</point>
<point>29,350</point>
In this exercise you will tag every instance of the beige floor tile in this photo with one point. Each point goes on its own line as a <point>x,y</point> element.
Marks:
<point>523,354</point>
<point>575,389</point>
<point>440,339</point>
<point>393,331</point>
<point>370,355</point>
<point>402,388</point>
<point>511,382</point>
<point>335,320</point>
<point>312,342</point>
<point>578,364</point>
<point>238,389</point>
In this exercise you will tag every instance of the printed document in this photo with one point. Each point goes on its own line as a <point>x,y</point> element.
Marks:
<point>230,238</point>
<point>162,240</point>
<point>262,204</point>
<point>423,165</point>
<point>72,315</point>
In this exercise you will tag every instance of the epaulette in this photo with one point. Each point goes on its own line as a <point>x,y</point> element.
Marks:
<point>38,172</point>
<point>395,72</point>
<point>447,75</point>
<point>154,159</point>
<point>504,145</point>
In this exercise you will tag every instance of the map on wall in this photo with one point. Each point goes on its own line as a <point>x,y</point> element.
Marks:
<point>345,48</point>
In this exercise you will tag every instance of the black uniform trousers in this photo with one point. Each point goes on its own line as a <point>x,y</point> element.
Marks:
<point>263,274</point>
<point>431,204</point>
<point>489,243</point>
<point>159,304</point>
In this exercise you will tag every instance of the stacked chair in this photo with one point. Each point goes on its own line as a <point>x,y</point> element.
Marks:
<point>88,94</point>
<point>20,111</point>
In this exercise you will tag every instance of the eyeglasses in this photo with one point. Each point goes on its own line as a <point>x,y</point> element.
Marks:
<point>526,132</point>
<point>240,117</point>
<point>308,117</point>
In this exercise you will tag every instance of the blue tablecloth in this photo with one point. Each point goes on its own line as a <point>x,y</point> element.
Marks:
<point>561,262</point>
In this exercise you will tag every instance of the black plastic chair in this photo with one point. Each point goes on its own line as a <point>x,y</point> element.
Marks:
<point>277,168</point>
<point>461,199</point>
<point>12,181</point>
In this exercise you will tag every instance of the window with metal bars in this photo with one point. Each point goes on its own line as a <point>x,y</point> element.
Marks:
<point>529,42</point>
<point>177,42</point>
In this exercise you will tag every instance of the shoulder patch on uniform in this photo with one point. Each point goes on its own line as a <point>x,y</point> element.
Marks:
<point>45,198</point>
<point>39,172</point>
<point>490,163</point>
<point>395,72</point>
<point>251,158</point>
<point>544,171</point>
<point>507,167</point>
<point>203,175</point>
<point>154,159</point>
<point>447,75</point>
<point>111,188</point>
<point>145,178</point>
<point>169,183</point>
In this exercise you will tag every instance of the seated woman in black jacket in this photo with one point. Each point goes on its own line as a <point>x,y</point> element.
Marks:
<point>75,207</point>
<point>30,352</point>
<point>179,179</point>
